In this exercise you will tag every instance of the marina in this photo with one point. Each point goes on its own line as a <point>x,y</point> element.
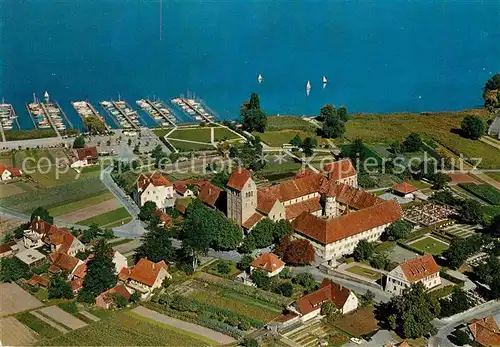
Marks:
<point>7,118</point>
<point>195,109</point>
<point>46,115</point>
<point>124,116</point>
<point>158,111</point>
<point>85,110</point>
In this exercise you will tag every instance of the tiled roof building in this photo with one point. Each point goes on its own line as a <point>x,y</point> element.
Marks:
<point>485,331</point>
<point>421,269</point>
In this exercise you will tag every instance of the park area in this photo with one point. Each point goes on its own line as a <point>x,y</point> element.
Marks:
<point>429,244</point>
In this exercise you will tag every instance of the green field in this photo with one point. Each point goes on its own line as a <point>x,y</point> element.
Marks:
<point>77,205</point>
<point>127,329</point>
<point>362,271</point>
<point>199,134</point>
<point>162,132</point>
<point>37,325</point>
<point>494,175</point>
<point>224,134</point>
<point>278,138</point>
<point>275,123</point>
<point>187,146</point>
<point>429,245</point>
<point>490,212</point>
<point>440,126</point>
<point>43,157</point>
<point>483,191</point>
<point>108,219</point>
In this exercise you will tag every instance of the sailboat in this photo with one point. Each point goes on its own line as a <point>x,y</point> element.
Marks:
<point>260,78</point>
<point>325,80</point>
<point>308,87</point>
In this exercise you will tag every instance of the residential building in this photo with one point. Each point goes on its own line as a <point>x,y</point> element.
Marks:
<point>105,299</point>
<point>485,331</point>
<point>309,305</point>
<point>153,187</point>
<point>7,249</point>
<point>182,188</point>
<point>84,157</point>
<point>65,263</point>
<point>342,171</point>
<point>404,190</point>
<point>422,269</point>
<point>334,237</point>
<point>120,261</point>
<point>269,263</point>
<point>212,196</point>
<point>494,128</point>
<point>8,173</point>
<point>145,276</point>
<point>39,281</point>
<point>76,285</point>
<point>31,257</point>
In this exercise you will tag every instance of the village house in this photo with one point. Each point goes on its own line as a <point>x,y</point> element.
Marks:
<point>61,262</point>
<point>485,331</point>
<point>84,157</point>
<point>105,300</point>
<point>8,249</point>
<point>212,196</point>
<point>153,187</point>
<point>76,285</point>
<point>422,269</point>
<point>269,263</point>
<point>309,305</point>
<point>42,233</point>
<point>182,188</point>
<point>9,173</point>
<point>145,276</point>
<point>39,281</point>
<point>31,257</point>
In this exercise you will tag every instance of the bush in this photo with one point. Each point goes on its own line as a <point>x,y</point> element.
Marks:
<point>224,267</point>
<point>69,306</point>
<point>249,342</point>
<point>284,288</point>
<point>245,262</point>
<point>244,325</point>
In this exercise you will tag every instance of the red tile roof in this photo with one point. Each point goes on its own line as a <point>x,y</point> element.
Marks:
<point>309,205</point>
<point>328,292</point>
<point>119,289</point>
<point>264,202</point>
<point>86,153</point>
<point>485,331</point>
<point>39,281</point>
<point>238,179</point>
<point>76,284</point>
<point>294,188</point>
<point>80,271</point>
<point>419,268</point>
<point>404,188</point>
<point>155,178</point>
<point>63,261</point>
<point>326,231</point>
<point>250,222</point>
<point>146,272</point>
<point>164,218</point>
<point>268,262</point>
<point>2,169</point>
<point>340,169</point>
<point>15,172</point>
<point>124,274</point>
<point>209,194</point>
<point>350,196</point>
<point>182,186</point>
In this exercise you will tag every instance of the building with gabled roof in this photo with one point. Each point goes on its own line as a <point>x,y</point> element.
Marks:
<point>309,305</point>
<point>485,331</point>
<point>421,269</point>
<point>84,157</point>
<point>405,190</point>
<point>39,281</point>
<point>145,276</point>
<point>212,196</point>
<point>268,262</point>
<point>342,171</point>
<point>153,187</point>
<point>8,173</point>
<point>61,262</point>
<point>105,300</point>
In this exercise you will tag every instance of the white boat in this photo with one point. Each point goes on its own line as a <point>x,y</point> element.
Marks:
<point>260,78</point>
<point>308,87</point>
<point>325,80</point>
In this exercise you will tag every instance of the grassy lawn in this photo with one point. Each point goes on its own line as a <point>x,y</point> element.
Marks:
<point>213,269</point>
<point>370,274</point>
<point>107,218</point>
<point>161,132</point>
<point>128,329</point>
<point>44,157</point>
<point>187,146</point>
<point>430,245</point>
<point>275,123</point>
<point>73,206</point>
<point>490,212</point>
<point>385,128</point>
<point>199,134</point>
<point>419,184</point>
<point>42,294</point>
<point>236,303</point>
<point>280,137</point>
<point>494,175</point>
<point>224,134</point>
<point>37,325</point>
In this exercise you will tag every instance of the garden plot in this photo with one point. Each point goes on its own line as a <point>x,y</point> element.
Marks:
<point>358,323</point>
<point>310,335</point>
<point>429,244</point>
<point>14,299</point>
<point>428,214</point>
<point>14,333</point>
<point>63,317</point>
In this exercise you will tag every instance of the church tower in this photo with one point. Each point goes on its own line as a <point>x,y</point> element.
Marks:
<point>241,196</point>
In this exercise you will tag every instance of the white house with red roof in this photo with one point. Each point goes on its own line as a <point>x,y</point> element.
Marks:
<point>153,187</point>
<point>8,173</point>
<point>145,276</point>
<point>309,305</point>
<point>405,190</point>
<point>422,269</point>
<point>84,157</point>
<point>269,263</point>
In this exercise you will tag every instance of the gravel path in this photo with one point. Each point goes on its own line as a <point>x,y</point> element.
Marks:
<point>90,316</point>
<point>193,328</point>
<point>49,322</point>
<point>63,317</point>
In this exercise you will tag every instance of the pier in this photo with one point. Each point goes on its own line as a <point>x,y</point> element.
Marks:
<point>157,110</point>
<point>64,115</point>
<point>49,118</point>
<point>122,113</point>
<point>85,109</point>
<point>191,104</point>
<point>31,116</point>
<point>121,106</point>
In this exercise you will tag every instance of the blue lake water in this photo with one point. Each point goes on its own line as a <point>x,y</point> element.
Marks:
<point>378,56</point>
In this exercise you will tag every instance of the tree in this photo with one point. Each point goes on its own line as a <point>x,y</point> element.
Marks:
<point>364,251</point>
<point>398,230</point>
<point>440,180</point>
<point>296,141</point>
<point>101,274</point>
<point>494,227</point>
<point>263,233</point>
<point>248,245</point>
<point>119,300</point>
<point>253,117</point>
<point>471,212</point>
<point>461,338</point>
<point>282,245</point>
<point>306,280</point>
<point>461,249</point>
<point>94,124</point>
<point>395,147</point>
<point>380,261</point>
<point>43,213</point>
<point>12,269</point>
<point>147,210</point>
<point>327,111</point>
<point>299,252</point>
<point>135,297</point>
<point>261,280</point>
<point>342,112</point>
<point>284,288</point>
<point>93,231</point>
<point>367,298</point>
<point>329,310</point>
<point>281,228</point>
<point>245,262</point>
<point>333,127</point>
<point>458,302</point>
<point>224,267</point>
<point>412,312</point>
<point>156,246</point>
<point>59,288</point>
<point>249,342</point>
<point>491,92</point>
<point>472,127</point>
<point>254,103</point>
<point>412,143</point>
<point>79,142</point>
<point>308,146</point>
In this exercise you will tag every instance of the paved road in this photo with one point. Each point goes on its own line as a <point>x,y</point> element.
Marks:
<point>186,326</point>
<point>126,201</point>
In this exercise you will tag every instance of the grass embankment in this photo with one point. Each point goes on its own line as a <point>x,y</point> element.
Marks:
<point>224,134</point>
<point>108,219</point>
<point>127,329</point>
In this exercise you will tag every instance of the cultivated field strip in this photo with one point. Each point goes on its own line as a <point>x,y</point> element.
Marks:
<point>14,333</point>
<point>49,322</point>
<point>63,317</point>
<point>14,299</point>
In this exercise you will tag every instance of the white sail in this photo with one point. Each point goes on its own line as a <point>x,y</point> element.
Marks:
<point>308,87</point>
<point>324,79</point>
<point>260,78</point>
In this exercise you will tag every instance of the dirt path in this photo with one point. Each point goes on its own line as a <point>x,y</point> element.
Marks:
<point>193,328</point>
<point>14,333</point>
<point>91,211</point>
<point>63,317</point>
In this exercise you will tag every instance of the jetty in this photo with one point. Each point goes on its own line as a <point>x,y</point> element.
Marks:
<point>122,113</point>
<point>46,110</point>
<point>7,118</point>
<point>193,108</point>
<point>158,111</point>
<point>64,115</point>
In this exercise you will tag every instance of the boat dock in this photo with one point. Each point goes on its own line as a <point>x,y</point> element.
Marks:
<point>158,111</point>
<point>85,109</point>
<point>124,115</point>
<point>64,115</point>
<point>7,118</point>
<point>194,109</point>
<point>51,112</point>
